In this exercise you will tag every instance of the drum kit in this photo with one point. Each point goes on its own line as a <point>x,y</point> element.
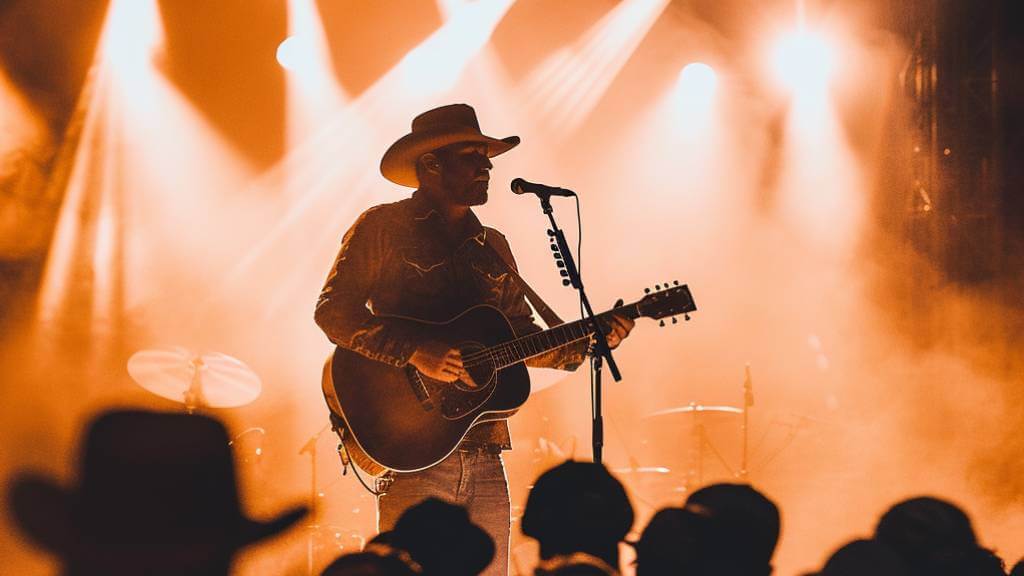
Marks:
<point>700,430</point>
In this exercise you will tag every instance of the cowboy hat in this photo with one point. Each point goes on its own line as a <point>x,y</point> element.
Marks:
<point>435,129</point>
<point>152,487</point>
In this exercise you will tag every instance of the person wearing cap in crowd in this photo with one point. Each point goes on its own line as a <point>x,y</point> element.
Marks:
<point>578,513</point>
<point>428,257</point>
<point>156,495</point>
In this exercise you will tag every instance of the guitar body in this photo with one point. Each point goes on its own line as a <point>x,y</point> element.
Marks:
<point>398,419</point>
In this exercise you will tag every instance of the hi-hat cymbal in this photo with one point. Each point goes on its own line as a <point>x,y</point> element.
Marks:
<point>209,379</point>
<point>699,411</point>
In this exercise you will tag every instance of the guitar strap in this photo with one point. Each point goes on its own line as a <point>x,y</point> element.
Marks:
<point>546,313</point>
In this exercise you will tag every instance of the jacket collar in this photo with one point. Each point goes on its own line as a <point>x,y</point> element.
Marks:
<point>424,210</point>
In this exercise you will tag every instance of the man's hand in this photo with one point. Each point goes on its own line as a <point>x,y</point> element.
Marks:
<point>618,328</point>
<point>440,361</point>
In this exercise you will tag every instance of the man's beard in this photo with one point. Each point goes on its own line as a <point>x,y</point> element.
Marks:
<point>475,194</point>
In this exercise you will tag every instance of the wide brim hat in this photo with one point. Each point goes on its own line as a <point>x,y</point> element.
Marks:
<point>433,129</point>
<point>150,485</point>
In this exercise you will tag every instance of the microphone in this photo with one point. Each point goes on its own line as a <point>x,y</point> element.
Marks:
<point>520,186</point>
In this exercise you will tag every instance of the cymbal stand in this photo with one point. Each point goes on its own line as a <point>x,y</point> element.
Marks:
<point>748,401</point>
<point>310,448</point>
<point>194,394</point>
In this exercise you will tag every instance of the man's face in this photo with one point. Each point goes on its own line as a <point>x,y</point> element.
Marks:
<point>465,173</point>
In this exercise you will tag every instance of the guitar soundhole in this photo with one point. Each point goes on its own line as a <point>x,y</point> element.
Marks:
<point>464,397</point>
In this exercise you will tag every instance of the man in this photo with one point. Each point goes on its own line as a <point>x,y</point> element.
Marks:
<point>428,257</point>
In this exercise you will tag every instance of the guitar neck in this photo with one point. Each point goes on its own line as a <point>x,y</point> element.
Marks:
<point>537,343</point>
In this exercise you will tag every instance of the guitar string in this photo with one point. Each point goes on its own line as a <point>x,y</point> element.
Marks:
<point>497,354</point>
<point>506,348</point>
<point>502,352</point>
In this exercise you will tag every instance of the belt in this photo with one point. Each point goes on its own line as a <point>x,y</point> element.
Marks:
<point>480,448</point>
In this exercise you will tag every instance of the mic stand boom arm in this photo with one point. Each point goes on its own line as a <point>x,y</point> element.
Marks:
<point>571,276</point>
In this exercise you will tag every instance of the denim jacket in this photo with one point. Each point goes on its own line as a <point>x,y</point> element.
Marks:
<point>399,259</point>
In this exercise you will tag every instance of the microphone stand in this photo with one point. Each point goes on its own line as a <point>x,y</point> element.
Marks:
<point>571,277</point>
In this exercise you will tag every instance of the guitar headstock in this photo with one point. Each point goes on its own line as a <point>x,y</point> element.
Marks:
<point>667,300</point>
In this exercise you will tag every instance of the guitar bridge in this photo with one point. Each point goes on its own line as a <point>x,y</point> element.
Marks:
<point>419,388</point>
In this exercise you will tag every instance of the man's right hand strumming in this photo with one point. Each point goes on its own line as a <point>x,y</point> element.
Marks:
<point>440,361</point>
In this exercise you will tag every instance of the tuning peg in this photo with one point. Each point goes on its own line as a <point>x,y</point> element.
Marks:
<point>554,247</point>
<point>551,232</point>
<point>662,323</point>
<point>559,263</point>
<point>647,290</point>
<point>675,320</point>
<point>657,286</point>
<point>675,282</point>
<point>564,273</point>
<point>686,317</point>
<point>566,282</point>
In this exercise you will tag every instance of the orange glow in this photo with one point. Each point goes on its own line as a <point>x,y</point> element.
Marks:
<point>686,169</point>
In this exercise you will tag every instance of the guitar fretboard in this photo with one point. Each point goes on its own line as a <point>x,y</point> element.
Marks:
<point>537,343</point>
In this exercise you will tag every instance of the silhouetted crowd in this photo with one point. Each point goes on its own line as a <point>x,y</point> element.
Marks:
<point>157,495</point>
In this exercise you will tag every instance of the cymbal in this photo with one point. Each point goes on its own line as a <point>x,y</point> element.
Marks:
<point>642,471</point>
<point>699,411</point>
<point>210,379</point>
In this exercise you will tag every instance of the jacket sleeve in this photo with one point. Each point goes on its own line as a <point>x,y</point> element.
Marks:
<point>520,315</point>
<point>344,310</point>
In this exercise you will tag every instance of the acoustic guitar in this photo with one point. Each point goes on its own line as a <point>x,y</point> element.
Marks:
<point>392,418</point>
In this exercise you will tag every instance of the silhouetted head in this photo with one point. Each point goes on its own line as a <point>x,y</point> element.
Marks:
<point>862,557</point>
<point>672,543</point>
<point>156,494</point>
<point>440,537</point>
<point>743,529</point>
<point>935,537</point>
<point>375,560</point>
<point>578,507</point>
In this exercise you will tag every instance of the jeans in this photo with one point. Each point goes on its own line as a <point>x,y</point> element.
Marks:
<point>474,479</point>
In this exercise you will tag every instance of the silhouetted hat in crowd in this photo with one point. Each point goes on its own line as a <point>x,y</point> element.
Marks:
<point>932,536</point>
<point>577,507</point>
<point>433,129</point>
<point>152,489</point>
<point>441,538</point>
<point>742,519</point>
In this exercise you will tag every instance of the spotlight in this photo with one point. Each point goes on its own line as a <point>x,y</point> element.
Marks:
<point>803,61</point>
<point>698,80</point>
<point>289,53</point>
